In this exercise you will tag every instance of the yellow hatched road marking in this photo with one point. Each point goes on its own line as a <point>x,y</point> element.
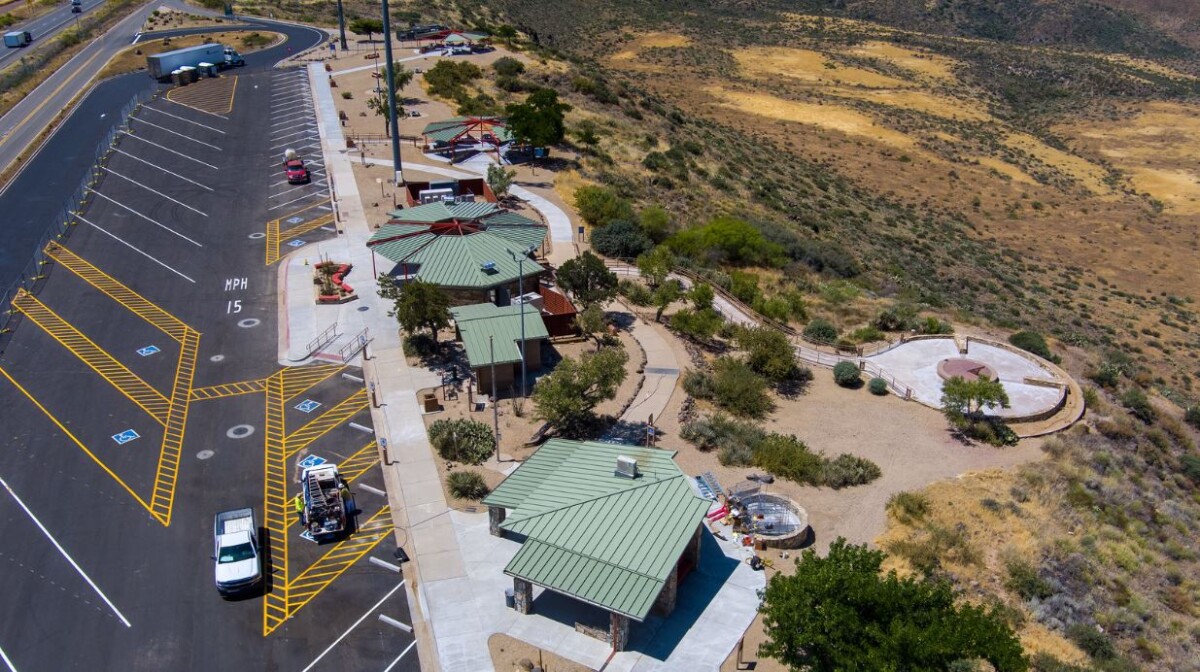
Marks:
<point>276,503</point>
<point>163,498</point>
<point>321,425</point>
<point>228,389</point>
<point>304,228</point>
<point>276,236</point>
<point>125,381</point>
<point>76,441</point>
<point>309,583</point>
<point>136,303</point>
<point>300,378</point>
<point>214,96</point>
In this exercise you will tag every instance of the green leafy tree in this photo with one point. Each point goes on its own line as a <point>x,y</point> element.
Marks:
<point>366,27</point>
<point>664,295</point>
<point>962,398</point>
<point>820,331</point>
<point>401,77</point>
<point>591,322</point>
<point>567,397</point>
<point>587,279</point>
<point>840,613</point>
<point>698,325</point>
<point>507,66</point>
<point>656,222</point>
<point>588,133</point>
<point>726,239</point>
<point>500,179</point>
<point>417,305</point>
<point>656,265</point>
<point>702,296</point>
<point>380,106</point>
<point>538,121</point>
<point>600,205</point>
<point>769,353</point>
<point>621,239</point>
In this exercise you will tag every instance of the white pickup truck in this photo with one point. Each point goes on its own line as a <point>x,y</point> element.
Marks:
<point>235,537</point>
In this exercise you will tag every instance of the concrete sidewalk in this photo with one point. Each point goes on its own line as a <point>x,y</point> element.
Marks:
<point>661,371</point>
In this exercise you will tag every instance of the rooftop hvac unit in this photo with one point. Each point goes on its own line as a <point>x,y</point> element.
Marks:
<point>626,467</point>
<point>434,195</point>
<point>488,266</point>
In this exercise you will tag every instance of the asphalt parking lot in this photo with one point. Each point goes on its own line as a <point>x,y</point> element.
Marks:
<point>142,396</point>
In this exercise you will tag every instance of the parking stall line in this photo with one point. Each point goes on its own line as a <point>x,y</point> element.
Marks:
<point>397,660</point>
<point>297,200</point>
<point>287,118</point>
<point>352,627</point>
<point>211,114</point>
<point>296,123</point>
<point>132,247</point>
<point>66,555</point>
<point>326,422</point>
<point>154,191</point>
<point>176,116</point>
<point>292,134</point>
<point>148,219</point>
<point>284,193</point>
<point>290,100</point>
<point>288,88</point>
<point>295,146</point>
<point>185,137</point>
<point>172,173</point>
<point>8,661</point>
<point>191,158</point>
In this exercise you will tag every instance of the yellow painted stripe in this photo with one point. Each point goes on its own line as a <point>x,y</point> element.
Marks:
<point>76,441</point>
<point>46,101</point>
<point>167,474</point>
<point>326,422</point>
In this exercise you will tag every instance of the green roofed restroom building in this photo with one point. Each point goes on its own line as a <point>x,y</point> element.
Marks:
<point>466,248</point>
<point>613,526</point>
<point>491,336</point>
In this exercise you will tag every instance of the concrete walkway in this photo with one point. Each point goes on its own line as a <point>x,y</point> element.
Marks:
<point>661,371</point>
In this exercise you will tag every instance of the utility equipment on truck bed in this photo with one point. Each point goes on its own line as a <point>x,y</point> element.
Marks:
<point>326,502</point>
<point>235,541</point>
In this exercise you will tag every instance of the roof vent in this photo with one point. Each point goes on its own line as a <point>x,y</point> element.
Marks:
<point>626,467</point>
<point>488,267</point>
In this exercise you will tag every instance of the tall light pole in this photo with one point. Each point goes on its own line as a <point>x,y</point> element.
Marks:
<point>521,290</point>
<point>391,87</point>
<point>342,25</point>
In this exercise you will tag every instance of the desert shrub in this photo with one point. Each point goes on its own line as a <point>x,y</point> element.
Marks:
<point>991,430</point>
<point>908,506</point>
<point>507,66</point>
<point>1032,341</point>
<point>466,485</point>
<point>847,374</point>
<point>1093,642</point>
<point>1044,662</point>
<point>1023,580</point>
<point>347,95</point>
<point>1139,405</point>
<point>788,457</point>
<point>846,470</point>
<point>900,317</point>
<point>698,325</point>
<point>878,386</point>
<point>820,331</point>
<point>599,205</point>
<point>736,455</point>
<point>1192,416</point>
<point>1115,366</point>
<point>448,78</point>
<point>867,334</point>
<point>770,354</point>
<point>621,238</point>
<point>637,293</point>
<point>718,430</point>
<point>462,440</point>
<point>739,390</point>
<point>932,325</point>
<point>699,384</point>
<point>1190,466</point>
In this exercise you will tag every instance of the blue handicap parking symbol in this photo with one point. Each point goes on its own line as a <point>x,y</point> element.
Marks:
<point>312,461</point>
<point>296,243</point>
<point>308,406</point>
<point>294,220</point>
<point>307,535</point>
<point>148,350</point>
<point>125,437</point>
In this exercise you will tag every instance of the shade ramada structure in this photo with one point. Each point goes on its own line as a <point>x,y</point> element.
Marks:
<point>442,135</point>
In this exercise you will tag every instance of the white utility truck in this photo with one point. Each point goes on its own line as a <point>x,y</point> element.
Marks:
<point>238,566</point>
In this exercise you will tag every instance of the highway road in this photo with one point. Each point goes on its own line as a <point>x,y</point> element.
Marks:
<point>37,194</point>
<point>46,26</point>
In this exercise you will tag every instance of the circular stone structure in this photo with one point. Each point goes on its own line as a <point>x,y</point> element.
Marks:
<point>776,520</point>
<point>967,369</point>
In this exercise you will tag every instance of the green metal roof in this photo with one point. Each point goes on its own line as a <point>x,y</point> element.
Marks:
<point>478,322</point>
<point>601,538</point>
<point>454,256</point>
<point>431,213</point>
<point>449,129</point>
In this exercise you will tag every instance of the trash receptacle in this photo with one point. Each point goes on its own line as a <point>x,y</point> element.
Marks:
<point>177,78</point>
<point>207,69</point>
<point>187,74</point>
<point>510,599</point>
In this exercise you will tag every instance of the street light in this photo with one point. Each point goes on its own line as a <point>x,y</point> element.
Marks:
<point>521,290</point>
<point>391,88</point>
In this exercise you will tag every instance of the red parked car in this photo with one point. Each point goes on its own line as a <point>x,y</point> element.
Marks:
<point>297,173</point>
